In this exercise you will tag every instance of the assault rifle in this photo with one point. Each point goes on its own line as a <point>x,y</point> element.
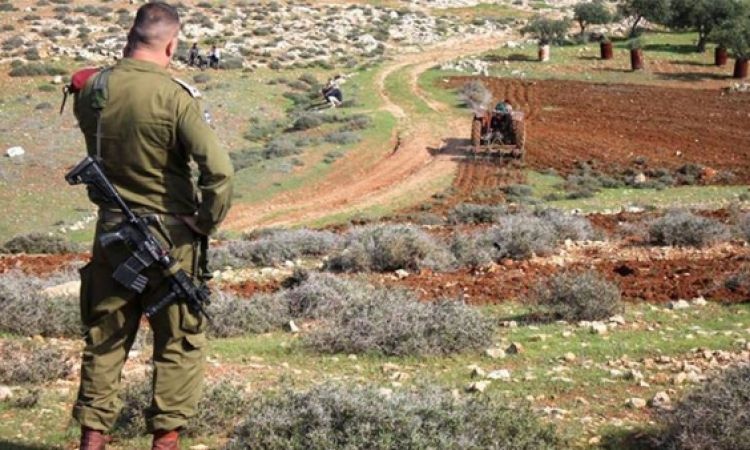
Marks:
<point>146,249</point>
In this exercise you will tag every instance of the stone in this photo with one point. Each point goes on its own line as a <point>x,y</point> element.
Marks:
<point>679,378</point>
<point>495,353</point>
<point>700,301</point>
<point>514,348</point>
<point>291,327</point>
<point>598,328</point>
<point>639,178</point>
<point>569,357</point>
<point>6,393</point>
<point>679,304</point>
<point>660,400</point>
<point>501,374</point>
<point>478,386</point>
<point>199,447</point>
<point>618,319</point>
<point>58,79</point>
<point>635,403</point>
<point>401,274</point>
<point>538,338</point>
<point>69,289</point>
<point>15,152</point>
<point>477,372</point>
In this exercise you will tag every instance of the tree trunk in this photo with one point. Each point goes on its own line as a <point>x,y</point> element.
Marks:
<point>635,26</point>
<point>544,52</point>
<point>721,55</point>
<point>636,59</point>
<point>702,41</point>
<point>740,68</point>
<point>606,50</point>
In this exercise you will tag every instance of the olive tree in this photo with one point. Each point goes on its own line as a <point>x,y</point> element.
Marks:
<point>703,16</point>
<point>734,34</point>
<point>591,13</point>
<point>546,30</point>
<point>656,11</point>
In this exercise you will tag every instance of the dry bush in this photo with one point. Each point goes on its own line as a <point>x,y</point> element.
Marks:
<point>278,246</point>
<point>566,226</point>
<point>577,296</point>
<point>520,237</point>
<point>336,416</point>
<point>685,229</point>
<point>470,213</point>
<point>25,311</point>
<point>389,247</point>
<point>319,295</point>
<point>38,243</point>
<point>31,363</point>
<point>715,416</point>
<point>743,224</point>
<point>218,409</point>
<point>236,316</point>
<point>394,322</point>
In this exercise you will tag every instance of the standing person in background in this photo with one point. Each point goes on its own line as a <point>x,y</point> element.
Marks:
<point>146,128</point>
<point>214,57</point>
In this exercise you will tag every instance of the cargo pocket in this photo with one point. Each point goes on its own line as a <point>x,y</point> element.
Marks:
<point>196,341</point>
<point>85,294</point>
<point>190,322</point>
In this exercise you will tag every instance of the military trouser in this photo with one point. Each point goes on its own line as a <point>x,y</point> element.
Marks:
<point>111,315</point>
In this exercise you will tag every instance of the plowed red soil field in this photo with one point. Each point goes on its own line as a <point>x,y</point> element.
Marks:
<point>569,121</point>
<point>650,280</point>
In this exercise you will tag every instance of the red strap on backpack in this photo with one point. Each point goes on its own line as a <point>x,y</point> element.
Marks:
<point>77,82</point>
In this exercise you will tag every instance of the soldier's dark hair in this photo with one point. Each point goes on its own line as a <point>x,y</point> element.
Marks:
<point>153,22</point>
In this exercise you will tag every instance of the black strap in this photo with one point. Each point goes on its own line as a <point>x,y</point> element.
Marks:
<point>99,98</point>
<point>205,274</point>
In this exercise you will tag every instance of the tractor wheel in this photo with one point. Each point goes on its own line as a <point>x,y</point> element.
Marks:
<point>519,129</point>
<point>476,134</point>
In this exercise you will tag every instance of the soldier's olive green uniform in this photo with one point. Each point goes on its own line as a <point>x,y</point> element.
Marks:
<point>151,128</point>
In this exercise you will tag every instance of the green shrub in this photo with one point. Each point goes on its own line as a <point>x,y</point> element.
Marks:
<point>25,312</point>
<point>38,243</point>
<point>29,363</point>
<point>395,323</point>
<point>712,417</point>
<point>685,229</point>
<point>316,296</point>
<point>389,247</point>
<point>520,237</point>
<point>307,122</point>
<point>343,137</point>
<point>280,147</point>
<point>577,296</point>
<point>566,226</point>
<point>36,69</point>
<point>336,416</point>
<point>218,409</point>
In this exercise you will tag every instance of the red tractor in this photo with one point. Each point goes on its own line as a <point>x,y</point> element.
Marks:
<point>499,132</point>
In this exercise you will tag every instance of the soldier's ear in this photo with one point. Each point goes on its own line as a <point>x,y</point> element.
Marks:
<point>171,47</point>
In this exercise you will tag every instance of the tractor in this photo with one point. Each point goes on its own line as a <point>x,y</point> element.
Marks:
<point>498,132</point>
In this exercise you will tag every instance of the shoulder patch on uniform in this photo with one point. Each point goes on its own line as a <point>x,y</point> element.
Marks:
<point>192,90</point>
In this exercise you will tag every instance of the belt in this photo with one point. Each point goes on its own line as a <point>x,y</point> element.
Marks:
<point>106,215</point>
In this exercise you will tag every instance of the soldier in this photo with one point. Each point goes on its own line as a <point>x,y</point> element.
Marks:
<point>146,128</point>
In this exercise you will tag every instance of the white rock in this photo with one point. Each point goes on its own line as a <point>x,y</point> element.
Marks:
<point>199,447</point>
<point>660,400</point>
<point>598,328</point>
<point>515,348</point>
<point>502,374</point>
<point>292,327</point>
<point>401,274</point>
<point>14,152</point>
<point>618,319</point>
<point>679,304</point>
<point>495,353</point>
<point>635,403</point>
<point>699,301</point>
<point>478,386</point>
<point>58,79</point>
<point>5,393</point>
<point>69,289</point>
<point>569,357</point>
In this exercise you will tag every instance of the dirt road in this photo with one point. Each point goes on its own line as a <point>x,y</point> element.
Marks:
<point>417,154</point>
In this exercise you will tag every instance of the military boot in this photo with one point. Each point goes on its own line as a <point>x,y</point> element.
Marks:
<point>166,440</point>
<point>93,439</point>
